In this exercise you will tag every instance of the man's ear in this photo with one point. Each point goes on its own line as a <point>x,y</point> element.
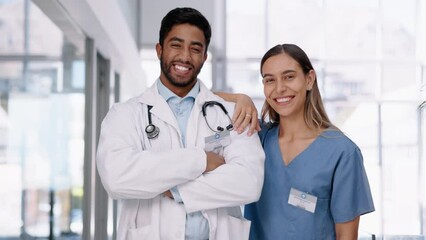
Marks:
<point>159,50</point>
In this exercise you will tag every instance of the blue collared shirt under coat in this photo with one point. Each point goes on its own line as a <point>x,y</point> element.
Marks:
<point>197,226</point>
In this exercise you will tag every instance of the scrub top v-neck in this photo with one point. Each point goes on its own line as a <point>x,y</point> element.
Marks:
<point>329,169</point>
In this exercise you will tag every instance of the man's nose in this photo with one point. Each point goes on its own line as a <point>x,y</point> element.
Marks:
<point>185,55</point>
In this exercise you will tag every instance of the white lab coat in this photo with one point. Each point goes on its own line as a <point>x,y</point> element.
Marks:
<point>138,171</point>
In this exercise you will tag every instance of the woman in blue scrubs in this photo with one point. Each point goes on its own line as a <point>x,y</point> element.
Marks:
<point>315,183</point>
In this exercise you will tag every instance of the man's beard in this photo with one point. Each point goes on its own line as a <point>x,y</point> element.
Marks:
<point>175,82</point>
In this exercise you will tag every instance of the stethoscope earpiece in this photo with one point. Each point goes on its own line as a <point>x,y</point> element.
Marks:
<point>230,127</point>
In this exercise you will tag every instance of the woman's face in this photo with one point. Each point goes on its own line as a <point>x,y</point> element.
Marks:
<point>285,85</point>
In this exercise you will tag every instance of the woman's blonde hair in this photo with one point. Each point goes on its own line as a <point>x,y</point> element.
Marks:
<point>314,114</point>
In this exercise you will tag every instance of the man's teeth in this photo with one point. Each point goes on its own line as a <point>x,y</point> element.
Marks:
<point>181,68</point>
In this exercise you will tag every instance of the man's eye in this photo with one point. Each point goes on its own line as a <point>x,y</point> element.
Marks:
<point>196,50</point>
<point>268,80</point>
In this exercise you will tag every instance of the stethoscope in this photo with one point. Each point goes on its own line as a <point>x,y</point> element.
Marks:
<point>152,131</point>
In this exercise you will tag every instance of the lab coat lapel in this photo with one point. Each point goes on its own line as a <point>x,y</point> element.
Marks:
<point>194,118</point>
<point>160,108</point>
<point>193,124</point>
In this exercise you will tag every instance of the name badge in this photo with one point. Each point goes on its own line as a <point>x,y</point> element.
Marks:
<point>217,140</point>
<point>302,200</point>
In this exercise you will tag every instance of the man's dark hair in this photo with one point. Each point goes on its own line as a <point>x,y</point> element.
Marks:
<point>184,15</point>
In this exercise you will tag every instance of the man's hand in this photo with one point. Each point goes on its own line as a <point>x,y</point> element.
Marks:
<point>169,194</point>
<point>213,161</point>
<point>245,114</point>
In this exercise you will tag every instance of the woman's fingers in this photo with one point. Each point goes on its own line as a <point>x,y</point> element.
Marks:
<point>245,115</point>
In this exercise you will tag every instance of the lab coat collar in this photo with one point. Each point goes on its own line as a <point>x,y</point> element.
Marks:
<point>153,98</point>
<point>168,94</point>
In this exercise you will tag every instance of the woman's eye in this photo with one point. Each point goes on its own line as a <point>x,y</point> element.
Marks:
<point>289,77</point>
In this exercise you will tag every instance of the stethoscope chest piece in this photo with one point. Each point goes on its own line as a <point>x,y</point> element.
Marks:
<point>152,131</point>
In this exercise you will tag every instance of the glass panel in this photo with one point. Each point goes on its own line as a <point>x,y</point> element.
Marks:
<point>10,169</point>
<point>245,28</point>
<point>41,127</point>
<point>11,27</point>
<point>421,33</point>
<point>422,168</point>
<point>150,65</point>
<point>349,3</point>
<point>350,80</point>
<point>45,38</point>
<point>298,22</point>
<point>244,77</point>
<point>355,42</point>
<point>400,169</point>
<point>352,119</point>
<point>320,72</point>
<point>399,29</point>
<point>364,53</point>
<point>423,83</point>
<point>399,81</point>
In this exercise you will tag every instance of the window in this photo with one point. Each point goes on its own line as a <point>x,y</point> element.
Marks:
<point>41,125</point>
<point>368,57</point>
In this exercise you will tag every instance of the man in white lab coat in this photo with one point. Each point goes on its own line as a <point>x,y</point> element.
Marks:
<point>170,155</point>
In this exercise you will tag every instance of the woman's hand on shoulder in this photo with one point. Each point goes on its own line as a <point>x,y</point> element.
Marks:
<point>245,112</point>
<point>245,115</point>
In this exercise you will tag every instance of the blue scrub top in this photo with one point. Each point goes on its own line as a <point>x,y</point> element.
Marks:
<point>330,168</point>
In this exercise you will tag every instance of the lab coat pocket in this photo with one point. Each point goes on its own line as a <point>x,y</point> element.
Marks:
<point>141,233</point>
<point>238,228</point>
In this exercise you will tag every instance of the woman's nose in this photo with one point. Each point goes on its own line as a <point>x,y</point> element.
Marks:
<point>281,86</point>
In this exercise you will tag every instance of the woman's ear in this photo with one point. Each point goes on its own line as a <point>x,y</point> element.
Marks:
<point>311,77</point>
